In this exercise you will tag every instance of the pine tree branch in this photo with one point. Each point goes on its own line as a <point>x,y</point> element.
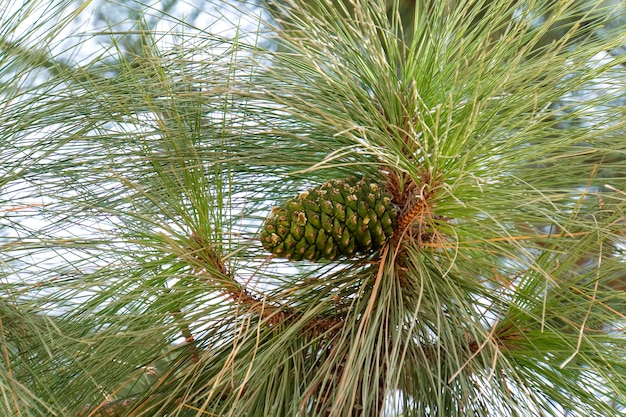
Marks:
<point>273,312</point>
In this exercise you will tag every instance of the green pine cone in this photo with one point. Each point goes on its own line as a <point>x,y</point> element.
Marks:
<point>339,218</point>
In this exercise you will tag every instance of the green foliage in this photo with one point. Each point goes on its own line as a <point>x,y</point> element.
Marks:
<point>139,162</point>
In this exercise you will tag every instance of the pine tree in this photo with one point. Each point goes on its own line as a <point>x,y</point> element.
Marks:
<point>350,209</point>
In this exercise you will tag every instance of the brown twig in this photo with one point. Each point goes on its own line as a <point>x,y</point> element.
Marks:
<point>415,213</point>
<point>189,339</point>
<point>107,408</point>
<point>273,312</point>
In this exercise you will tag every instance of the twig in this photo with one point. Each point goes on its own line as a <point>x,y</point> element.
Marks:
<point>107,408</point>
<point>274,312</point>
<point>189,339</point>
<point>509,238</point>
<point>410,209</point>
<point>476,351</point>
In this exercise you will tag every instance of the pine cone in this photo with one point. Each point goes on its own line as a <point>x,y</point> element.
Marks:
<point>338,218</point>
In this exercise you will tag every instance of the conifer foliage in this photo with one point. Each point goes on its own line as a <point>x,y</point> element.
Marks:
<point>347,208</point>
